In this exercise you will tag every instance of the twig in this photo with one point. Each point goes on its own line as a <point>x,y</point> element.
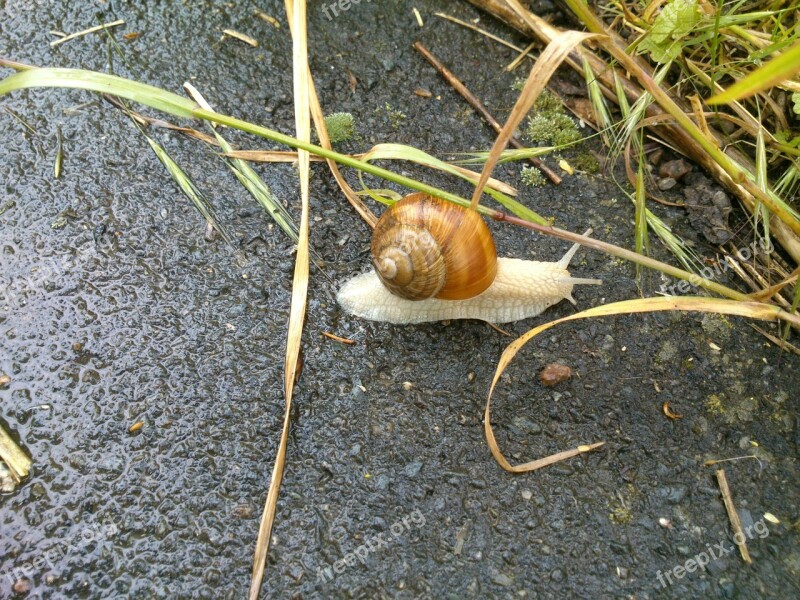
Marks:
<point>712,461</point>
<point>738,535</point>
<point>458,86</point>
<point>72,36</point>
<point>483,32</point>
<point>337,338</point>
<point>242,37</point>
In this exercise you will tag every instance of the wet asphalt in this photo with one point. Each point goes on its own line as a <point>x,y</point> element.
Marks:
<point>116,310</point>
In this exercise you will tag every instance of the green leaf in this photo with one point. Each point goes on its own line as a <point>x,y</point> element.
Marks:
<point>674,21</point>
<point>671,26</point>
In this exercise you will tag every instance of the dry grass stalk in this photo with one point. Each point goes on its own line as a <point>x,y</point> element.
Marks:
<point>242,37</point>
<point>77,34</point>
<point>18,463</point>
<point>296,11</point>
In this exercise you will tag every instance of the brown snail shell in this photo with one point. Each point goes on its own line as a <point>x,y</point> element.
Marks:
<point>424,247</point>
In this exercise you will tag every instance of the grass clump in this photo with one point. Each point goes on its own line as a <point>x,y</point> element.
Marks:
<point>340,126</point>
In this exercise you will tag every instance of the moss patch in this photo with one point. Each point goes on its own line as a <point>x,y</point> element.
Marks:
<point>531,176</point>
<point>549,124</point>
<point>340,126</point>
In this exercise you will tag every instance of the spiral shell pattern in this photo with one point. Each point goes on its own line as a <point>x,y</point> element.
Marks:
<point>424,247</point>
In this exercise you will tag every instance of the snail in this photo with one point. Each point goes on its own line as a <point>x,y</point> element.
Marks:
<point>434,260</point>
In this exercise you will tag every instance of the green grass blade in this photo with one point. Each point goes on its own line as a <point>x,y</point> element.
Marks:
<point>641,215</point>
<point>761,180</point>
<point>402,152</point>
<point>508,155</point>
<point>604,122</point>
<point>622,97</point>
<point>99,82</point>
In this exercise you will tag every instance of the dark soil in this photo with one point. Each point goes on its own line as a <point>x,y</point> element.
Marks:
<point>116,310</point>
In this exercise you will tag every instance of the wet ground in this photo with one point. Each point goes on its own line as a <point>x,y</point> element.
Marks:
<point>115,310</point>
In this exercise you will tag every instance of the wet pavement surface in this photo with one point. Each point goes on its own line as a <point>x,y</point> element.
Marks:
<point>116,310</point>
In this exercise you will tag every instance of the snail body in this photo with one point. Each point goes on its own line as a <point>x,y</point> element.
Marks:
<point>436,261</point>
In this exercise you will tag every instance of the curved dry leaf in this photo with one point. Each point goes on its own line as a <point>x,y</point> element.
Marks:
<point>665,408</point>
<point>753,310</point>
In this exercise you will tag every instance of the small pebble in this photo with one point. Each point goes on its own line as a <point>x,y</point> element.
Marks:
<point>413,469</point>
<point>554,373</point>
<point>655,157</point>
<point>674,169</point>
<point>22,585</point>
<point>502,579</point>
<point>666,183</point>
